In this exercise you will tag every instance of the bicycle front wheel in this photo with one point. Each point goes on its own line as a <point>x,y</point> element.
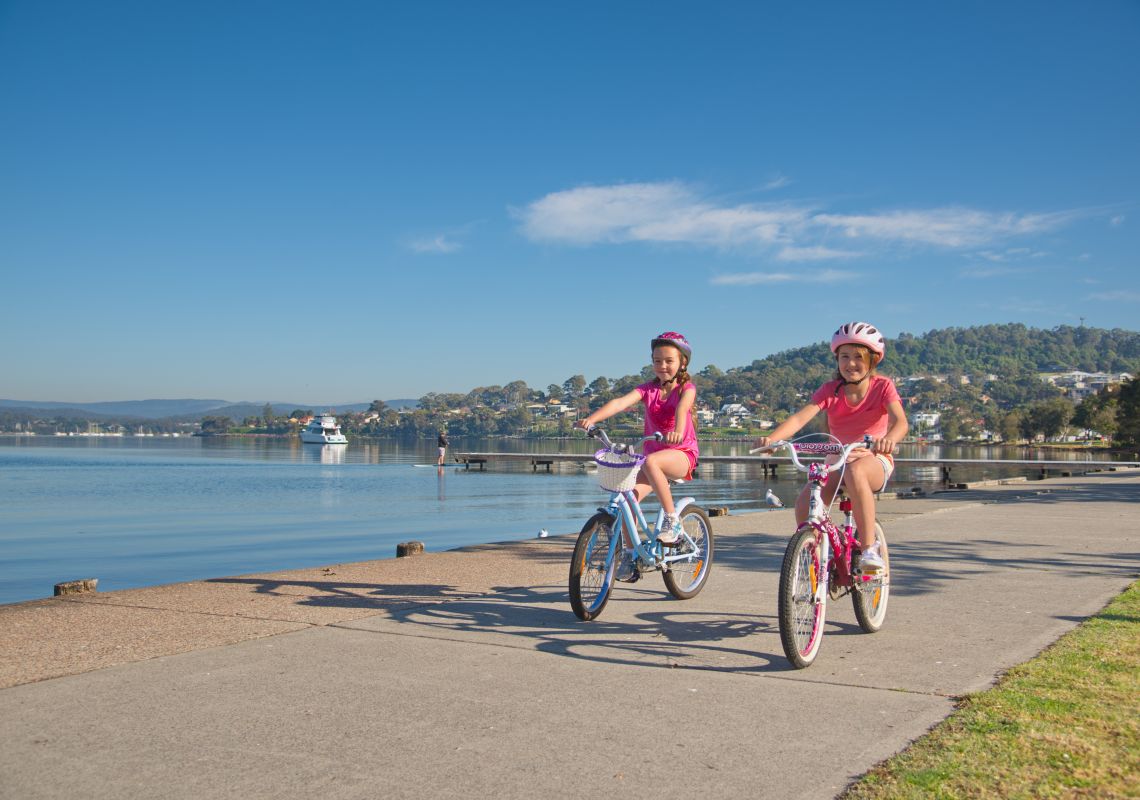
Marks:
<point>801,603</point>
<point>870,597</point>
<point>687,576</point>
<point>592,568</point>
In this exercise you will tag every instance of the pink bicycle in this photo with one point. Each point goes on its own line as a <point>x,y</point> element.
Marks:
<point>822,560</point>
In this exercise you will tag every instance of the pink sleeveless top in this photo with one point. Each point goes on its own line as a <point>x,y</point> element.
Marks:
<point>661,415</point>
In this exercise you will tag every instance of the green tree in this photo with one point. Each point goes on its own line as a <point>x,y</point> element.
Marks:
<point>599,391</point>
<point>215,425</point>
<point>1009,426</point>
<point>1128,413</point>
<point>1048,418</point>
<point>1097,412</point>
<point>573,387</point>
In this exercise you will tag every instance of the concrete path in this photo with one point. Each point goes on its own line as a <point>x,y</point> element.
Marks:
<point>465,674</point>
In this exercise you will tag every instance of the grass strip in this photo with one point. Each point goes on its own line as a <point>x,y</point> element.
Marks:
<point>1066,724</point>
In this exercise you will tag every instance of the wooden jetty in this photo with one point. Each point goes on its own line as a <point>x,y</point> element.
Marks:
<point>768,464</point>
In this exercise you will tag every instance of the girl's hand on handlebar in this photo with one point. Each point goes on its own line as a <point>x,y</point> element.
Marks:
<point>765,445</point>
<point>583,425</point>
<point>673,437</point>
<point>885,446</point>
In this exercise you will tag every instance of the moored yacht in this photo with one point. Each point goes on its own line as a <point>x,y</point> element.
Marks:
<point>323,430</point>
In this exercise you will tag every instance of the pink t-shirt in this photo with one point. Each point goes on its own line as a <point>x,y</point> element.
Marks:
<point>849,423</point>
<point>661,415</point>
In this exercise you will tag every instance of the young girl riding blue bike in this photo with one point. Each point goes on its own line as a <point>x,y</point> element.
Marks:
<point>668,400</point>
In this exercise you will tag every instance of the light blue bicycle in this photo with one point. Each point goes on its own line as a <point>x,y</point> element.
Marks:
<point>612,547</point>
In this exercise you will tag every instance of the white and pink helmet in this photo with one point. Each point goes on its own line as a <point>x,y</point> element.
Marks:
<point>863,333</point>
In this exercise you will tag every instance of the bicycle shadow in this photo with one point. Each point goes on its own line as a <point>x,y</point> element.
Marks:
<point>540,619</point>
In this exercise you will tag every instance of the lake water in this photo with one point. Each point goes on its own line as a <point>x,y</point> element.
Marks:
<point>137,511</point>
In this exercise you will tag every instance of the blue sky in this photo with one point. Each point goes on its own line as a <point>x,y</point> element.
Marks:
<point>338,202</point>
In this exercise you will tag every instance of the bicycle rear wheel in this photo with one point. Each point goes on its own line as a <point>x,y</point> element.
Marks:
<point>870,597</point>
<point>801,605</point>
<point>686,577</point>
<point>591,568</point>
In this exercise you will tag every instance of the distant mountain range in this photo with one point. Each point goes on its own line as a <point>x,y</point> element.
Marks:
<point>185,409</point>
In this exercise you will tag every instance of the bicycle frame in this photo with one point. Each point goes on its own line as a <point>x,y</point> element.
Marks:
<point>818,562</point>
<point>629,524</point>
<point>837,545</point>
<point>629,521</point>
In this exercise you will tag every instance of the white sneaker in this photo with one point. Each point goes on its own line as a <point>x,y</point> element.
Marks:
<point>625,570</point>
<point>870,562</point>
<point>670,532</point>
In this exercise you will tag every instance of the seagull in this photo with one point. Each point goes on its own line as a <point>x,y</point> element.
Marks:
<point>542,534</point>
<point>773,501</point>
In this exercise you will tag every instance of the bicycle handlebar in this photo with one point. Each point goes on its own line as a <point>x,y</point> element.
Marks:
<point>827,448</point>
<point>594,432</point>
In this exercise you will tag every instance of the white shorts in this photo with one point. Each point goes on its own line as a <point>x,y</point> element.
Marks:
<point>887,462</point>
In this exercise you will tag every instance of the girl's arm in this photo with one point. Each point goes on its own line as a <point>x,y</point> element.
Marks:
<point>790,426</point>
<point>681,421</point>
<point>615,406</point>
<point>896,430</point>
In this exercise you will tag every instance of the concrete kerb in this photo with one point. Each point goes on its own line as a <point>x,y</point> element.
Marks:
<point>462,672</point>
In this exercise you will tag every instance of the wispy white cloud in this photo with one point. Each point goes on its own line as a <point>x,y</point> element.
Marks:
<point>435,244</point>
<point>1020,305</point>
<point>992,272</point>
<point>779,182</point>
<point>808,276</point>
<point>1117,295</point>
<point>944,227</point>
<point>1117,220</point>
<point>816,253</point>
<point>654,212</point>
<point>675,213</point>
<point>1009,254</point>
<point>444,242</point>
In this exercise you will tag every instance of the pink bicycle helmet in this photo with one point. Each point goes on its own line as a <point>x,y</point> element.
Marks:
<point>862,333</point>
<point>675,339</point>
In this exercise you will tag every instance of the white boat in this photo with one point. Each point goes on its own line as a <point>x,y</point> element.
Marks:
<point>323,430</point>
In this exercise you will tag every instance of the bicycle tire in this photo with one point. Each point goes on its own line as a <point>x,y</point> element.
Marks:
<point>591,570</point>
<point>870,597</point>
<point>685,579</point>
<point>801,607</point>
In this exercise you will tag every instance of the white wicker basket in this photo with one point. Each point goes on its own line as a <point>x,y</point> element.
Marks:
<point>617,472</point>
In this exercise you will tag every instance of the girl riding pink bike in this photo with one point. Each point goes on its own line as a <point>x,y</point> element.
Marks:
<point>858,403</point>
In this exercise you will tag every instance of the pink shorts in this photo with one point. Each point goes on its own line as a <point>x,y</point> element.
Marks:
<point>652,447</point>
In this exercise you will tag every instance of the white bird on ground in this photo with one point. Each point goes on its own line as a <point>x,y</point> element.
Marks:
<point>773,501</point>
<point>542,534</point>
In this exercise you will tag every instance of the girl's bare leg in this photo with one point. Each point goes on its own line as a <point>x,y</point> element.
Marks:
<point>660,468</point>
<point>864,477</point>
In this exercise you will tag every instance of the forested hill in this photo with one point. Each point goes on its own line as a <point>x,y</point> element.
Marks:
<point>998,349</point>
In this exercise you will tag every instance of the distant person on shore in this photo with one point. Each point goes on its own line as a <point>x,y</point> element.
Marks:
<point>441,442</point>
<point>669,400</point>
<point>857,402</point>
